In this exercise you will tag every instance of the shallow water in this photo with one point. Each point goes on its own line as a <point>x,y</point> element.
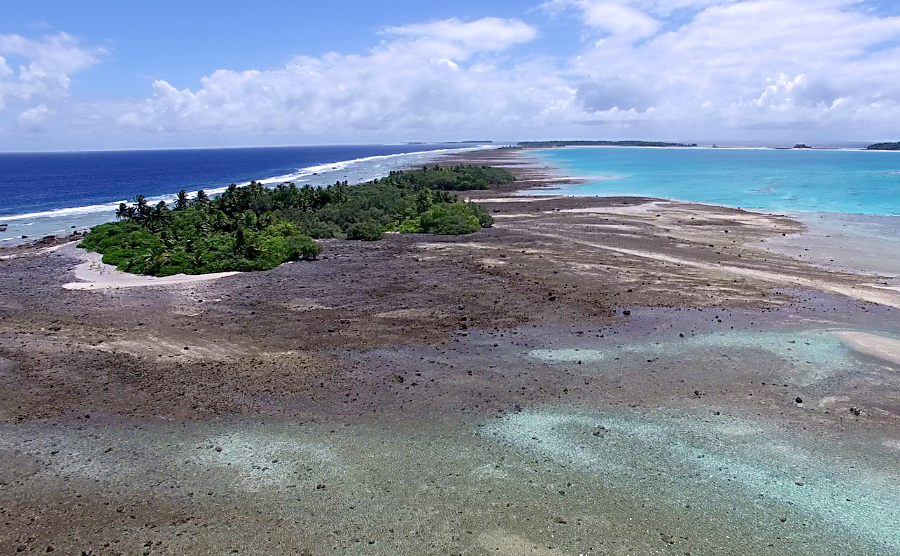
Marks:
<point>808,356</point>
<point>858,243</point>
<point>500,442</point>
<point>747,471</point>
<point>843,181</point>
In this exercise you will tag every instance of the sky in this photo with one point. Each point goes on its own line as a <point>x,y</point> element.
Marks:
<point>99,74</point>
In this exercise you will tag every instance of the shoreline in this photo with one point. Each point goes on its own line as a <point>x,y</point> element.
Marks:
<point>93,274</point>
<point>82,218</point>
<point>532,170</point>
<point>797,239</point>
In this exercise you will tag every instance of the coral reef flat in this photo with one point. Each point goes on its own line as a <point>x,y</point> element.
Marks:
<point>591,375</point>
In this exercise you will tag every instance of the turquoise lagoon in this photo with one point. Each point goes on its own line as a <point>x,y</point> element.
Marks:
<point>799,180</point>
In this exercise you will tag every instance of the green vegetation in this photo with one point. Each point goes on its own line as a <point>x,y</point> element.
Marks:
<point>884,147</point>
<point>256,228</point>
<point>552,144</point>
<point>455,178</point>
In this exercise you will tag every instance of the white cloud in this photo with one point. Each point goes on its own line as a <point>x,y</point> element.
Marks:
<point>750,65</point>
<point>617,18</point>
<point>460,40</point>
<point>678,69</point>
<point>33,119</point>
<point>425,77</point>
<point>49,64</point>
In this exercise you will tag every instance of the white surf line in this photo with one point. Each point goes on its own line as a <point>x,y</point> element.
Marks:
<point>871,295</point>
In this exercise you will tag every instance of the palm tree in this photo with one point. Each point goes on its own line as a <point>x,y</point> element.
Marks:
<point>181,201</point>
<point>155,259</point>
<point>157,216</point>
<point>124,212</point>
<point>141,207</point>
<point>202,198</point>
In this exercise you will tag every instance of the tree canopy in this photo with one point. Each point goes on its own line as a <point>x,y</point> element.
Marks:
<point>884,147</point>
<point>253,227</point>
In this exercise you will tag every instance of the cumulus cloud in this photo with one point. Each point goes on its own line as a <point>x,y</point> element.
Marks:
<point>752,64</point>
<point>33,119</point>
<point>619,19</point>
<point>651,68</point>
<point>460,40</point>
<point>432,76</point>
<point>49,63</point>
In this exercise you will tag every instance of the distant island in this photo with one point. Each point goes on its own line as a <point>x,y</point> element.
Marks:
<point>255,228</point>
<point>469,142</point>
<point>884,147</point>
<point>553,144</point>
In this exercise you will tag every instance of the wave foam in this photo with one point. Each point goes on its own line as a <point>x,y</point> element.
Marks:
<point>300,174</point>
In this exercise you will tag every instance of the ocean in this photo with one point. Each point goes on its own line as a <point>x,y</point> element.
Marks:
<point>849,200</point>
<point>831,181</point>
<point>56,193</point>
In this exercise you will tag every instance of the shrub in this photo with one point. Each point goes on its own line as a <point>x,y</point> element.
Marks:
<point>407,226</point>
<point>484,217</point>
<point>302,248</point>
<point>450,219</point>
<point>367,230</point>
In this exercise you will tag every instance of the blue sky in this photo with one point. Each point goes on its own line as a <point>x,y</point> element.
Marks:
<point>100,74</point>
<point>181,41</point>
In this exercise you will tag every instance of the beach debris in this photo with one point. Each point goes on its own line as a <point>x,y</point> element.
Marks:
<point>856,411</point>
<point>799,400</point>
<point>626,312</point>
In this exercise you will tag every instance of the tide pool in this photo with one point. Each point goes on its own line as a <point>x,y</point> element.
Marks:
<point>842,181</point>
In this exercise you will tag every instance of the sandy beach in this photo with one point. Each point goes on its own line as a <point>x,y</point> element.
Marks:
<point>94,274</point>
<point>591,375</point>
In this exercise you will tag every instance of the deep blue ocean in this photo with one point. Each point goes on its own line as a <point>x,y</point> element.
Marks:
<point>55,193</point>
<point>836,181</point>
<point>38,182</point>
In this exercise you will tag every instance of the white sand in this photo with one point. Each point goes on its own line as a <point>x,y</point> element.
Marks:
<point>503,543</point>
<point>530,199</point>
<point>880,347</point>
<point>612,209</point>
<point>93,274</point>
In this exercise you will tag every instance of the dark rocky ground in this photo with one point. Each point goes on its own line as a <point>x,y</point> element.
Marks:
<point>478,395</point>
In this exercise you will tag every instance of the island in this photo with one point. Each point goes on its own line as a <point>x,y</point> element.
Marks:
<point>555,144</point>
<point>253,227</point>
<point>884,146</point>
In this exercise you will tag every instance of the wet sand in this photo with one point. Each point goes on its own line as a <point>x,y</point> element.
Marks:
<point>589,376</point>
